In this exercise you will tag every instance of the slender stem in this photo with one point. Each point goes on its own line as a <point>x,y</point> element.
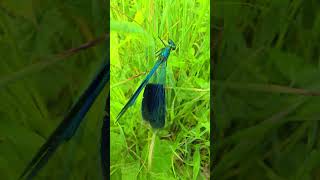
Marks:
<point>51,60</point>
<point>270,88</point>
<point>151,149</point>
<point>85,46</point>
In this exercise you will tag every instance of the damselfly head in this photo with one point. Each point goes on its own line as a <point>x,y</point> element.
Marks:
<point>172,45</point>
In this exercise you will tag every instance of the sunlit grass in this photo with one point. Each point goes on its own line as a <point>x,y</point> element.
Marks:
<point>181,149</point>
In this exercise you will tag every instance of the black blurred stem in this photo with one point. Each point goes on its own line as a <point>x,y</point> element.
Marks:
<point>105,139</point>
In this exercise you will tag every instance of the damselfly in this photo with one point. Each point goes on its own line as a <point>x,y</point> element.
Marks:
<point>68,127</point>
<point>153,103</point>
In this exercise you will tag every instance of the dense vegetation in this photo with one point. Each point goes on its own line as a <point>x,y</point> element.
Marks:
<point>181,149</point>
<point>266,89</point>
<point>39,83</point>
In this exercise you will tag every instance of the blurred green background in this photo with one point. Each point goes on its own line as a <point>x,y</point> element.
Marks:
<point>182,147</point>
<point>266,89</point>
<point>37,88</point>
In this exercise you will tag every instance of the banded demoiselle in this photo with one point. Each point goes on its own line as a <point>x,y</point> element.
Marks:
<point>68,127</point>
<point>153,103</point>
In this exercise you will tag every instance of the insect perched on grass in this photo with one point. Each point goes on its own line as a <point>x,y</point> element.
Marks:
<point>153,102</point>
<point>68,127</point>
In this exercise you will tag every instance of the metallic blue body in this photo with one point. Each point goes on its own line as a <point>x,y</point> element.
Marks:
<point>153,104</point>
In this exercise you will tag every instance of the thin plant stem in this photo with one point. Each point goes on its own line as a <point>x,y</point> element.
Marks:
<point>151,149</point>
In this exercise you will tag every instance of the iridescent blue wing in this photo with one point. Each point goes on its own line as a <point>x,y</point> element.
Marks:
<point>142,85</point>
<point>153,103</point>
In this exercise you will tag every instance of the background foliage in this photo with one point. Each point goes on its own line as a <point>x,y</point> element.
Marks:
<point>266,69</point>
<point>182,148</point>
<point>37,88</point>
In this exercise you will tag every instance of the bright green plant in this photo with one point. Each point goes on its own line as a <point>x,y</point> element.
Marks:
<point>181,148</point>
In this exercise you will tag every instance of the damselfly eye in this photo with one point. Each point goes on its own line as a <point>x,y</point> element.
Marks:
<point>172,45</point>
